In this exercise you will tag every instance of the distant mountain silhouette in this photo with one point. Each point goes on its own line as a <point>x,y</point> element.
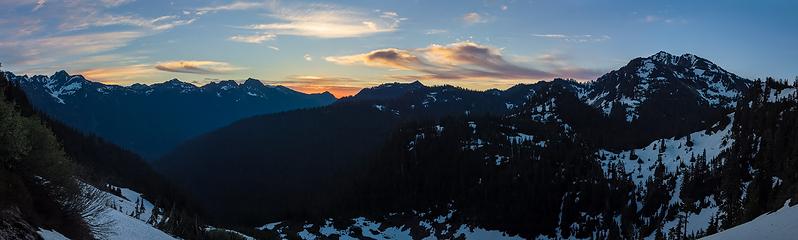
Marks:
<point>151,119</point>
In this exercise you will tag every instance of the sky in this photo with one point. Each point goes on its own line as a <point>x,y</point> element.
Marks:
<point>344,46</point>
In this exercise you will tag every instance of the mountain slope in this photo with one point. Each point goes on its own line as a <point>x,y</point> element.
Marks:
<point>85,158</point>
<point>662,75</point>
<point>151,119</point>
<point>325,153</point>
<point>306,154</point>
<point>688,186</point>
<point>644,98</point>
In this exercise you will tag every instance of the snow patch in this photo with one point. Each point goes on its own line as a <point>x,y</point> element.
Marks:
<point>777,225</point>
<point>479,233</point>
<point>51,235</point>
<point>207,229</point>
<point>676,151</point>
<point>781,95</point>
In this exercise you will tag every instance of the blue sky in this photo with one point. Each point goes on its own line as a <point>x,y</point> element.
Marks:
<point>342,46</point>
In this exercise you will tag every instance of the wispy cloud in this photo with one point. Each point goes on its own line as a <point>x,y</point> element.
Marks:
<point>258,38</point>
<point>116,59</point>
<point>116,3</point>
<point>456,61</point>
<point>238,5</point>
<point>575,38</point>
<point>666,20</point>
<point>436,31</point>
<point>132,73</point>
<point>120,74</point>
<point>155,24</point>
<point>54,49</point>
<point>66,31</point>
<point>197,67</point>
<point>560,65</point>
<point>473,17</point>
<point>27,27</point>
<point>314,20</point>
<point>307,57</point>
<point>323,20</point>
<point>39,5</point>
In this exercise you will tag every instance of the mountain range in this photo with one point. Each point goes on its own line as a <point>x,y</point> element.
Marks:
<point>151,119</point>
<point>328,153</point>
<point>665,147</point>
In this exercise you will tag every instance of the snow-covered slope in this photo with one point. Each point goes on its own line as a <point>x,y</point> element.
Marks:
<point>130,218</point>
<point>415,225</point>
<point>781,224</point>
<point>674,153</point>
<point>781,95</point>
<point>51,235</point>
<point>127,216</point>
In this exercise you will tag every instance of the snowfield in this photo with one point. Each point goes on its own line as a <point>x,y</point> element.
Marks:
<point>51,235</point>
<point>781,224</point>
<point>371,229</point>
<point>676,151</point>
<point>127,224</point>
<point>129,228</point>
<point>781,95</point>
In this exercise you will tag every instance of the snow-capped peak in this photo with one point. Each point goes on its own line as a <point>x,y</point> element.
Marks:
<point>686,60</point>
<point>664,74</point>
<point>664,58</point>
<point>177,83</point>
<point>57,85</point>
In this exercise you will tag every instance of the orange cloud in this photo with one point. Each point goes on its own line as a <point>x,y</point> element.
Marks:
<point>457,61</point>
<point>389,57</point>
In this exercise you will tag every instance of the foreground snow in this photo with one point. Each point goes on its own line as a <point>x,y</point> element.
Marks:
<point>51,235</point>
<point>434,226</point>
<point>780,224</point>
<point>245,237</point>
<point>125,226</point>
<point>127,223</point>
<point>129,215</point>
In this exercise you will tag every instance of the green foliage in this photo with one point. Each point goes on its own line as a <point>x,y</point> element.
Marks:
<point>38,176</point>
<point>14,142</point>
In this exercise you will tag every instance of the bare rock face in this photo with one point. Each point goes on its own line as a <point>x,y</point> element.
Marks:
<point>12,226</point>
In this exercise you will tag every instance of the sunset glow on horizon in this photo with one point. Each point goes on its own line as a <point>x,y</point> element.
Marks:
<point>344,46</point>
